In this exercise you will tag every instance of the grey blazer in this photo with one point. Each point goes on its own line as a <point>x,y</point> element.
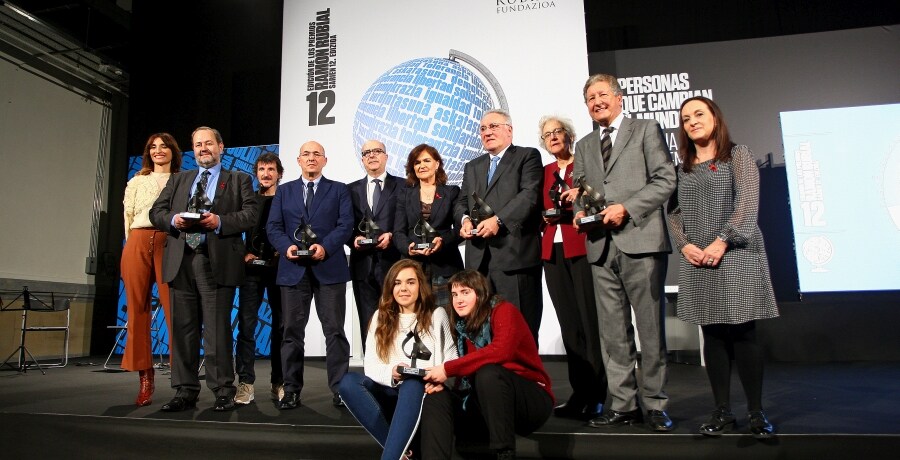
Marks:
<point>640,176</point>
<point>513,195</point>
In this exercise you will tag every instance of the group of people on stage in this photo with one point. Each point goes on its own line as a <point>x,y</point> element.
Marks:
<point>596,220</point>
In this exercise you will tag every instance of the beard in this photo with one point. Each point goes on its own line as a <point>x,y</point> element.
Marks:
<point>207,161</point>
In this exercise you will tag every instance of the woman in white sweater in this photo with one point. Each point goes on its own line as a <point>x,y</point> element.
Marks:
<point>142,257</point>
<point>387,403</point>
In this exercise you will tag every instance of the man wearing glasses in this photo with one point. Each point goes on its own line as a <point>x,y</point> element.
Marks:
<point>505,246</point>
<point>323,207</point>
<point>371,255</point>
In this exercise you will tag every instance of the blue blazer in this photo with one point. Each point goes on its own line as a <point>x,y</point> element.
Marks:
<point>331,218</point>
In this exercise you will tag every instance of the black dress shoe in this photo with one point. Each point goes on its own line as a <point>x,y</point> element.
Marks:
<point>719,420</point>
<point>571,409</point>
<point>223,404</point>
<point>337,401</point>
<point>178,404</point>
<point>290,400</point>
<point>658,420</point>
<point>616,418</point>
<point>760,427</point>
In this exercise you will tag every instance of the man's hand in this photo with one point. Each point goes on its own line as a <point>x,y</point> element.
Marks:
<point>290,252</point>
<point>489,227</point>
<point>614,215</point>
<point>578,215</point>
<point>209,221</point>
<point>318,252</point>
<point>384,240</point>
<point>466,230</point>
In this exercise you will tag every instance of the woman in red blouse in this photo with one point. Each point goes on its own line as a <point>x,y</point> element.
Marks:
<point>501,389</point>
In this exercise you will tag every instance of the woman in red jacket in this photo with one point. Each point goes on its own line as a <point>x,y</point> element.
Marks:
<point>501,389</point>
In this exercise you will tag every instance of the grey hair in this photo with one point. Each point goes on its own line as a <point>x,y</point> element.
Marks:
<point>566,125</point>
<point>611,80</point>
<point>207,128</point>
<point>501,112</point>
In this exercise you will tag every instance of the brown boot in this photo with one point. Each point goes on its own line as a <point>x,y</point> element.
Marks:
<point>144,397</point>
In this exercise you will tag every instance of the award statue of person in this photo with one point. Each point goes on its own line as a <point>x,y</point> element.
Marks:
<point>555,193</point>
<point>419,351</point>
<point>263,250</point>
<point>305,238</point>
<point>480,212</point>
<point>593,203</point>
<point>370,231</point>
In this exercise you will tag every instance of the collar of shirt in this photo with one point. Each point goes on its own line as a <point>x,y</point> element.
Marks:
<point>315,184</point>
<point>502,152</point>
<point>370,185</point>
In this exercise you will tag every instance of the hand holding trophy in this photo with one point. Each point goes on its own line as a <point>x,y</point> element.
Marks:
<point>593,203</point>
<point>419,351</point>
<point>370,231</point>
<point>480,211</point>
<point>555,193</point>
<point>305,237</point>
<point>263,250</point>
<point>426,234</point>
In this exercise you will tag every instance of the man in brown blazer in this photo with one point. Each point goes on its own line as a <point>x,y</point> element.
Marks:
<point>203,263</point>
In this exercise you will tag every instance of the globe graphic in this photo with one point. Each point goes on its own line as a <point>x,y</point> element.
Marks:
<point>433,101</point>
<point>818,250</point>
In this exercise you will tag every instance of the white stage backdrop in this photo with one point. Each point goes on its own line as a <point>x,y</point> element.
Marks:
<point>408,72</point>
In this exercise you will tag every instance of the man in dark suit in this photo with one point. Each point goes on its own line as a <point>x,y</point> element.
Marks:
<point>506,247</point>
<point>203,263</point>
<point>375,197</point>
<point>627,161</point>
<point>325,206</point>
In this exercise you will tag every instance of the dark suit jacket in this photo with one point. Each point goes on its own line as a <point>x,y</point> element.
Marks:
<point>640,176</point>
<point>235,204</point>
<point>331,218</point>
<point>573,242</point>
<point>361,262</point>
<point>447,261</point>
<point>513,194</point>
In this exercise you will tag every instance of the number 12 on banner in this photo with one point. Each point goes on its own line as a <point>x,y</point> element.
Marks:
<point>326,100</point>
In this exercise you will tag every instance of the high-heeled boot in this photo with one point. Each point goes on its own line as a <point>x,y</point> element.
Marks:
<point>144,397</point>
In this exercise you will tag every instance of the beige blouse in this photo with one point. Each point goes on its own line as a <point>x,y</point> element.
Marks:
<point>140,193</point>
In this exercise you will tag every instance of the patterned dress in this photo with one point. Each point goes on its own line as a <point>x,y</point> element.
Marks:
<point>721,200</point>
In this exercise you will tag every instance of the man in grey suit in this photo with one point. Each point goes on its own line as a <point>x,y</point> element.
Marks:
<point>203,263</point>
<point>506,246</point>
<point>627,161</point>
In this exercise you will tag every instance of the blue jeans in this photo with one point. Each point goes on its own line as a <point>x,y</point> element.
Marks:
<point>390,415</point>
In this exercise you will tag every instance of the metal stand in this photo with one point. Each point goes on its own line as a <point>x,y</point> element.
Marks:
<point>40,305</point>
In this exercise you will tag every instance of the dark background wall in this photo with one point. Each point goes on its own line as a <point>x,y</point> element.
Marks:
<point>219,64</point>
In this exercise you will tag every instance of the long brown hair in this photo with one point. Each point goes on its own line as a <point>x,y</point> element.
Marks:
<point>687,151</point>
<point>389,311</point>
<point>477,282</point>
<point>147,163</point>
<point>440,176</point>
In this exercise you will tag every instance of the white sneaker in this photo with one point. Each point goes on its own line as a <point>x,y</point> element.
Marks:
<point>278,391</point>
<point>244,393</point>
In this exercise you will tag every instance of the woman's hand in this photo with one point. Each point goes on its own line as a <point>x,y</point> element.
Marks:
<point>693,255</point>
<point>395,374</point>
<point>431,388</point>
<point>714,252</point>
<point>435,374</point>
<point>569,195</point>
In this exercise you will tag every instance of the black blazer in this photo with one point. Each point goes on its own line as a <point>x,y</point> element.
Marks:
<point>447,261</point>
<point>235,204</point>
<point>362,262</point>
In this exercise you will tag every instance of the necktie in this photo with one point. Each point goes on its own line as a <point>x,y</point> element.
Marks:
<point>606,146</point>
<point>194,239</point>
<point>376,194</point>
<point>309,195</point>
<point>494,160</point>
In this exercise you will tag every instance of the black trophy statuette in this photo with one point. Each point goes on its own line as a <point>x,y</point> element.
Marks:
<point>555,193</point>
<point>419,351</point>
<point>305,237</point>
<point>370,231</point>
<point>426,234</point>
<point>480,211</point>
<point>197,205</point>
<point>263,250</point>
<point>593,203</point>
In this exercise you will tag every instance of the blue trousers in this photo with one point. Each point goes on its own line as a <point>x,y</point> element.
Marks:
<point>390,415</point>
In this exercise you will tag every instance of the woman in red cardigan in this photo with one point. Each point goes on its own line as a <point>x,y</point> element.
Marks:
<point>501,389</point>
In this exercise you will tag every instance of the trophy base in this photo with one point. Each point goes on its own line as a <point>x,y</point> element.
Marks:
<point>367,243</point>
<point>410,371</point>
<point>303,253</point>
<point>260,262</point>
<point>191,215</point>
<point>551,213</point>
<point>424,246</point>
<point>473,232</point>
<point>590,222</point>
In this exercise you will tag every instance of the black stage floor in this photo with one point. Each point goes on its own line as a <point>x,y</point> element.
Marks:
<point>82,411</point>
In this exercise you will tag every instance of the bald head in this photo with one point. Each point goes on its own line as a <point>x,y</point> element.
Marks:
<point>374,157</point>
<point>312,159</point>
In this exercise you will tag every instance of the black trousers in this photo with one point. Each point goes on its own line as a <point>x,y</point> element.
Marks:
<point>367,293</point>
<point>501,405</point>
<point>331,306</point>
<point>199,304</point>
<point>521,288</point>
<point>250,297</point>
<point>571,287</point>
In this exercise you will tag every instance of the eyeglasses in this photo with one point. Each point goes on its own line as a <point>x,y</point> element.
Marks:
<point>371,152</point>
<point>494,126</point>
<point>312,154</point>
<point>557,131</point>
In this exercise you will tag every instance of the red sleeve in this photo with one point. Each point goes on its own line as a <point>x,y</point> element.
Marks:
<point>507,325</point>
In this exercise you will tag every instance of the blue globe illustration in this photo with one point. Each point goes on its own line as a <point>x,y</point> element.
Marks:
<point>432,101</point>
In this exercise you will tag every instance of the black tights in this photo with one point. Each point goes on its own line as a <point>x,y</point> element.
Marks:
<point>721,344</point>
